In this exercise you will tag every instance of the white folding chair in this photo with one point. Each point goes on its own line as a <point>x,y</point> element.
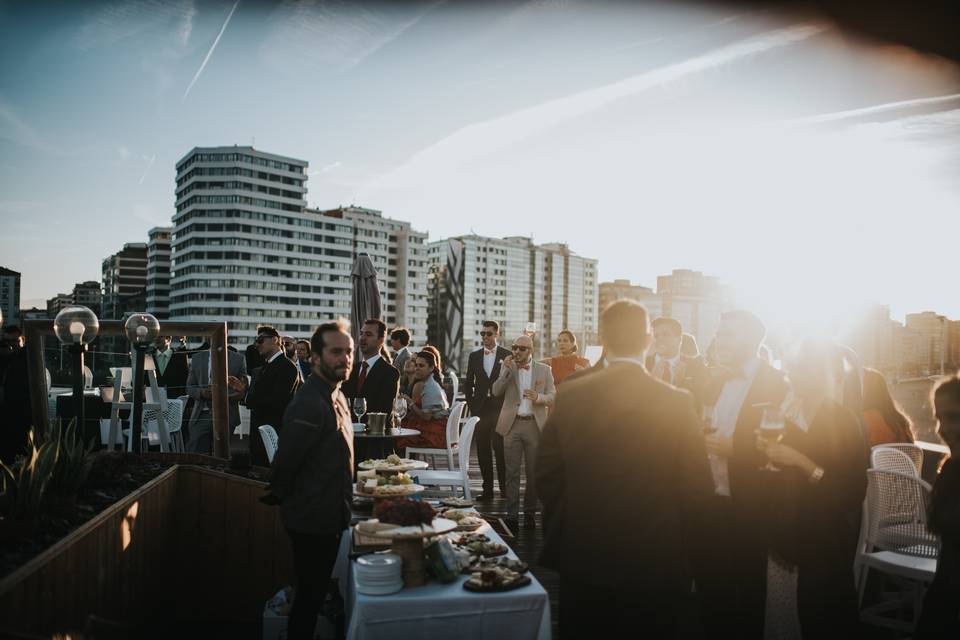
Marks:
<point>453,478</point>
<point>890,459</point>
<point>453,437</point>
<point>87,377</point>
<point>896,542</point>
<point>913,451</point>
<point>270,439</point>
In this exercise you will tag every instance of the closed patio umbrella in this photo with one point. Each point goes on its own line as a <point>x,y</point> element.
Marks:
<point>365,301</point>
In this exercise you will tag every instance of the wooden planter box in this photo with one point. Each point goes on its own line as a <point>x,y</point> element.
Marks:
<point>192,548</point>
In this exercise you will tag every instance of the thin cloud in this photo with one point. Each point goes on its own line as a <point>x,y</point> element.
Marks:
<point>17,131</point>
<point>879,109</point>
<point>150,162</point>
<point>216,41</point>
<point>186,23</point>
<point>484,138</point>
<point>327,169</point>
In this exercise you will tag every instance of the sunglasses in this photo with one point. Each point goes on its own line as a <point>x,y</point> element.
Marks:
<point>486,333</point>
<point>519,348</point>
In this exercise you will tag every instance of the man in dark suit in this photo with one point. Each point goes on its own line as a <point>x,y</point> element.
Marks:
<point>303,358</point>
<point>620,432</point>
<point>171,367</point>
<point>374,377</point>
<point>731,585</point>
<point>271,390</point>
<point>483,369</point>
<point>668,364</point>
<point>312,474</point>
<point>400,342</point>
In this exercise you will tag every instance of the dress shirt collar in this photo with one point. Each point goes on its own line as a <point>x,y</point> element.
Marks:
<point>637,361</point>
<point>372,361</point>
<point>275,356</point>
<point>673,362</point>
<point>490,352</point>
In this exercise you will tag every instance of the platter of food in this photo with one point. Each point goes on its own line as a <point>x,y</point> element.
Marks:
<point>386,486</point>
<point>437,527</point>
<point>478,563</point>
<point>466,520</point>
<point>456,502</point>
<point>479,544</point>
<point>392,464</point>
<point>492,579</point>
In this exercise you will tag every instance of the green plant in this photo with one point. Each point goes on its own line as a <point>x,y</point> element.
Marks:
<point>73,461</point>
<point>25,484</point>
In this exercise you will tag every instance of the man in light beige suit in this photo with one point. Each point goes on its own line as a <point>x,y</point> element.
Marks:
<point>526,388</point>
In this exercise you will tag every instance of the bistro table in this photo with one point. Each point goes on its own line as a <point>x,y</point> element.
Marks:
<point>438,610</point>
<point>378,445</point>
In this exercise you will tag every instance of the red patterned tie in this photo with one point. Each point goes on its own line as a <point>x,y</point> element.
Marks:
<point>362,377</point>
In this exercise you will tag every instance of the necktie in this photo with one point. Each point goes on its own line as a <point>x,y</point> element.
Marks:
<point>362,377</point>
<point>162,362</point>
<point>665,373</point>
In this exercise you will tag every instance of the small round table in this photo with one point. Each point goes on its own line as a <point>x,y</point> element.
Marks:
<point>378,445</point>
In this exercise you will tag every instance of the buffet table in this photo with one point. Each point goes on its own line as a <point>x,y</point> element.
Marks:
<point>442,610</point>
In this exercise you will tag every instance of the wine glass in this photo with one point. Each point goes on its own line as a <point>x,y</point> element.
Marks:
<point>530,329</point>
<point>400,410</point>
<point>772,427</point>
<point>359,407</point>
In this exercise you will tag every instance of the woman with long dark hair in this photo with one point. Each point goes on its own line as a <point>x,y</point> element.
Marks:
<point>428,409</point>
<point>885,421</point>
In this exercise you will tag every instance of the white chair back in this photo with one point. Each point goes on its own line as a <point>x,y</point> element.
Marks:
<point>453,424</point>
<point>889,459</point>
<point>454,385</point>
<point>87,377</point>
<point>466,439</point>
<point>913,451</point>
<point>897,514</point>
<point>270,440</point>
<point>125,374</point>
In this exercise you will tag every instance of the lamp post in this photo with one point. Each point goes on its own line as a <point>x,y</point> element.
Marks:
<point>142,330</point>
<point>76,327</point>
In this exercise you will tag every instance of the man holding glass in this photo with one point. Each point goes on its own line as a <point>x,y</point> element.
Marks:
<point>732,585</point>
<point>483,368</point>
<point>527,390</point>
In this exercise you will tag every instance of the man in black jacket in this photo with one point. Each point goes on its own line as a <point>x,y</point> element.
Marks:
<point>374,377</point>
<point>171,368</point>
<point>312,473</point>
<point>620,432</point>
<point>271,390</point>
<point>483,369</point>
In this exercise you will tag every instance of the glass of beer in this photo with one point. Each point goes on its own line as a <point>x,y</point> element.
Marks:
<point>772,427</point>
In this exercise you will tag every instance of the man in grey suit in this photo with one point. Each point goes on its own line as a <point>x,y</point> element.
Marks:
<point>198,387</point>
<point>527,389</point>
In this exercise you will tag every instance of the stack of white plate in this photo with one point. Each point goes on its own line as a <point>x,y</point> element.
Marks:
<point>379,574</point>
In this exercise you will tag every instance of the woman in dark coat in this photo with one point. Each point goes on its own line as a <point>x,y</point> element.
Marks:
<point>823,461</point>
<point>941,606</point>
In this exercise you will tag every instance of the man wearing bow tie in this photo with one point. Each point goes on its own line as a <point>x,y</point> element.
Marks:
<point>527,390</point>
<point>732,584</point>
<point>483,368</point>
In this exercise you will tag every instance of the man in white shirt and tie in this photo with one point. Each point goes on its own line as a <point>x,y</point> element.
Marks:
<point>483,368</point>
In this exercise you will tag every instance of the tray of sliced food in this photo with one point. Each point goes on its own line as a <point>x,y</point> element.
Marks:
<point>466,520</point>
<point>379,486</point>
<point>478,563</point>
<point>392,463</point>
<point>496,578</point>
<point>479,544</point>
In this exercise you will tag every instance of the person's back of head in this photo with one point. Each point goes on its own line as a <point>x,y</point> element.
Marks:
<point>946,404</point>
<point>624,330</point>
<point>401,335</point>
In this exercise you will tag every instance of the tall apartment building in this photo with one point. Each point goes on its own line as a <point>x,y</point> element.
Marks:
<point>693,299</point>
<point>9,295</point>
<point>245,249</point>
<point>929,349</point>
<point>124,277</point>
<point>158,271</point>
<point>57,303</point>
<point>399,254</point>
<point>510,280</point>
<point>88,294</point>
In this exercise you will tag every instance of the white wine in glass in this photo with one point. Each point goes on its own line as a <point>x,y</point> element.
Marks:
<point>772,428</point>
<point>359,407</point>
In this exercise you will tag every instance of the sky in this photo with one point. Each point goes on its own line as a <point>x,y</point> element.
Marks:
<point>811,170</point>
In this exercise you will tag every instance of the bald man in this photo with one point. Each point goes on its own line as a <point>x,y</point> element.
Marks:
<point>526,388</point>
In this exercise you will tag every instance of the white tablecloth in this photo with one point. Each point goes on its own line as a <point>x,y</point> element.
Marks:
<point>443,610</point>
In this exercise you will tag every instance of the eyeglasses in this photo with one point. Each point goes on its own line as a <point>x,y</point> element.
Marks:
<point>486,333</point>
<point>517,347</point>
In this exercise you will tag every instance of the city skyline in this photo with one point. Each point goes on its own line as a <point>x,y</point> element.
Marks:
<point>806,168</point>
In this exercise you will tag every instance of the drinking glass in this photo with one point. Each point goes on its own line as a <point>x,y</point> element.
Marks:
<point>359,407</point>
<point>400,409</point>
<point>530,329</point>
<point>709,418</point>
<point>771,431</point>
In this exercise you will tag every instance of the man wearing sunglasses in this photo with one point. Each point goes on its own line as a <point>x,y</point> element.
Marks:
<point>483,368</point>
<point>527,390</point>
<point>271,390</point>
